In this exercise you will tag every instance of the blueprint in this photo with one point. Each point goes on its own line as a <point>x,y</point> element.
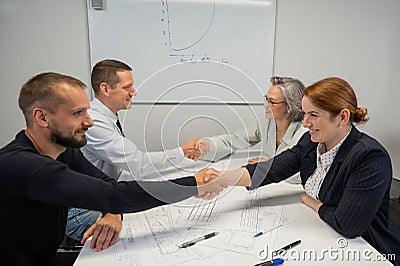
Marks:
<point>153,237</point>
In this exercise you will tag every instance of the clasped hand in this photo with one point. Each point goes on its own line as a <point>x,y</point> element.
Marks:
<point>208,183</point>
<point>211,182</point>
<point>196,148</point>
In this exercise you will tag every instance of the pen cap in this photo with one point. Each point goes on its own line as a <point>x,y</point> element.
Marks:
<point>278,261</point>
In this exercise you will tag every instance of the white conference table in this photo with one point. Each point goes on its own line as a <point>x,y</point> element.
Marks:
<point>152,237</point>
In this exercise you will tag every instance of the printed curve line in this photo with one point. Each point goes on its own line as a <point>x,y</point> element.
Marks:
<point>196,42</point>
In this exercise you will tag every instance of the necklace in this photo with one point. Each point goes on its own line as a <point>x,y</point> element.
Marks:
<point>279,137</point>
<point>281,132</point>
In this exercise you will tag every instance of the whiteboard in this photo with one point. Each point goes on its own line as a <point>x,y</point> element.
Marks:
<point>188,51</point>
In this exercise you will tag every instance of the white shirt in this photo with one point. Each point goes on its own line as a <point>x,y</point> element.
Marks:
<point>111,152</point>
<point>324,162</point>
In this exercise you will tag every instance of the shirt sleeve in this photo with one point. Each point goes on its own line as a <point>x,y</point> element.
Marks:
<point>275,169</point>
<point>223,145</point>
<point>107,144</point>
<point>55,183</point>
<point>280,167</point>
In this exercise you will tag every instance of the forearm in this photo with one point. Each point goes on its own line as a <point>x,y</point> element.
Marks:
<point>160,160</point>
<point>238,177</point>
<point>274,170</point>
<point>121,152</point>
<point>68,188</point>
<point>216,149</point>
<point>146,194</point>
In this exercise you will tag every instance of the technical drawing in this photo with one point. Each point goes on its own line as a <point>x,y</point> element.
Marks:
<point>249,217</point>
<point>202,212</point>
<point>167,32</point>
<point>171,34</point>
<point>236,214</point>
<point>125,254</point>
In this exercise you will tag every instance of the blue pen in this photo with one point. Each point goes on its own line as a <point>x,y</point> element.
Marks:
<point>274,262</point>
<point>263,233</point>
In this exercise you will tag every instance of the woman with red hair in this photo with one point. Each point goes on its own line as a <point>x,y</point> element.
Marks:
<point>346,174</point>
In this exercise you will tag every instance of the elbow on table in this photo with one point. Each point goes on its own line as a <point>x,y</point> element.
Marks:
<point>342,224</point>
<point>349,232</point>
<point>350,235</point>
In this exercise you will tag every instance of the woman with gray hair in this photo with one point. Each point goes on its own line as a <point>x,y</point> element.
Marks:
<point>281,129</point>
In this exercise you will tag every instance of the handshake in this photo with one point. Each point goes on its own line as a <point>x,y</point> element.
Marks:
<point>210,182</point>
<point>196,148</point>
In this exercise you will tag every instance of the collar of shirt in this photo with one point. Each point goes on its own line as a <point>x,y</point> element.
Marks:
<point>291,131</point>
<point>325,158</point>
<point>97,105</point>
<point>324,162</point>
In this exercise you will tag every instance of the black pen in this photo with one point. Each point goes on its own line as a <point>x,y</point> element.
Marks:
<point>278,261</point>
<point>274,262</point>
<point>291,245</point>
<point>194,241</point>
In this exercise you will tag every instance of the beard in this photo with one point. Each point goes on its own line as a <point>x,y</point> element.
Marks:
<point>58,137</point>
<point>68,142</point>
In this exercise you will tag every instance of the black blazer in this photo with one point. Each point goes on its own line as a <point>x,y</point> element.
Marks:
<point>354,193</point>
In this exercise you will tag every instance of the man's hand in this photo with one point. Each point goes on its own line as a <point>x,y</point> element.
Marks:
<point>210,181</point>
<point>256,160</point>
<point>105,232</point>
<point>191,149</point>
<point>208,185</point>
<point>311,202</point>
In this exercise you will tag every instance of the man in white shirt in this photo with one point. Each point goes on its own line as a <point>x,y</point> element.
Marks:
<point>108,148</point>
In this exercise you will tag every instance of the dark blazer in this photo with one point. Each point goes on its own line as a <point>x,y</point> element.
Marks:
<point>354,193</point>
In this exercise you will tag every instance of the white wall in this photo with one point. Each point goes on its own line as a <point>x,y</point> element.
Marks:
<point>38,36</point>
<point>357,40</point>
